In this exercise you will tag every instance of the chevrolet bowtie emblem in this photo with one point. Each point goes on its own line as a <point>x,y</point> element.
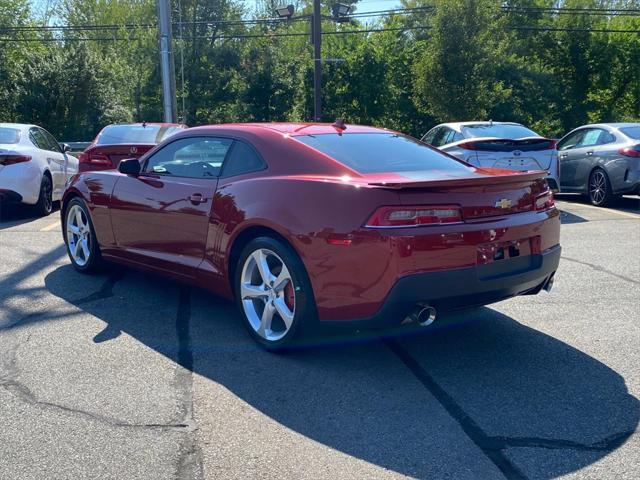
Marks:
<point>503,203</point>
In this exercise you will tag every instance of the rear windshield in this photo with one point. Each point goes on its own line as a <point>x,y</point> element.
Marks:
<point>632,132</point>
<point>497,130</point>
<point>381,152</point>
<point>149,134</point>
<point>9,135</point>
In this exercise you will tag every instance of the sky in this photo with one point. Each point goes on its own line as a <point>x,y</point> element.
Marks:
<point>363,6</point>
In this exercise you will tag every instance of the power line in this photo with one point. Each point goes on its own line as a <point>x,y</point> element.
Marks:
<point>572,29</point>
<point>573,10</point>
<point>274,21</point>
<point>133,26</point>
<point>69,39</point>
<point>401,11</point>
<point>305,34</point>
<point>385,29</point>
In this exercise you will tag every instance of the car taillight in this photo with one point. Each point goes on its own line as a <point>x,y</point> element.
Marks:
<point>468,145</point>
<point>544,201</point>
<point>414,216</point>
<point>552,144</point>
<point>630,151</point>
<point>95,158</point>
<point>13,159</point>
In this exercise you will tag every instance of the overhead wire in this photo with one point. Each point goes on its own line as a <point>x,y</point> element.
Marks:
<point>133,27</point>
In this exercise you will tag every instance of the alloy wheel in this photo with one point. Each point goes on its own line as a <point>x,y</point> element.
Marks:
<point>46,192</point>
<point>78,235</point>
<point>598,187</point>
<point>267,294</point>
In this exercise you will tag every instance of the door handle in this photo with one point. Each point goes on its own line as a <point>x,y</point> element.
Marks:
<point>197,198</point>
<point>590,152</point>
<point>564,155</point>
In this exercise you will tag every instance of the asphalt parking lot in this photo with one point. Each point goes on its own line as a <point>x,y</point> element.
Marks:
<point>126,375</point>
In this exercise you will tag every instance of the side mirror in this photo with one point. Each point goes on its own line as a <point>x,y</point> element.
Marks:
<point>129,166</point>
<point>65,147</point>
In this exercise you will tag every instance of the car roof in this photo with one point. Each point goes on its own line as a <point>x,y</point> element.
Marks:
<point>18,126</point>
<point>610,125</point>
<point>293,128</point>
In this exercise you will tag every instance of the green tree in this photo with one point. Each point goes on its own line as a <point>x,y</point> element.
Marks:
<point>455,76</point>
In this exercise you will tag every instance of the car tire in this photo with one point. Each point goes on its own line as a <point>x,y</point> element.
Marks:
<point>276,310</point>
<point>80,237</point>
<point>44,205</point>
<point>600,193</point>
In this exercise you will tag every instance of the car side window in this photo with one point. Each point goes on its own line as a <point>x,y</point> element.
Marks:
<point>51,142</point>
<point>195,157</point>
<point>590,138</point>
<point>242,159</point>
<point>38,138</point>
<point>572,141</point>
<point>440,136</point>
<point>451,136</point>
<point>428,138</point>
<point>606,137</point>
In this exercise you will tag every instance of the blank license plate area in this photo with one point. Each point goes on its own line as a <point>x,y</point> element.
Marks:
<point>517,163</point>
<point>501,251</point>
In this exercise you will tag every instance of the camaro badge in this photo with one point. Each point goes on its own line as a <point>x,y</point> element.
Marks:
<point>503,203</point>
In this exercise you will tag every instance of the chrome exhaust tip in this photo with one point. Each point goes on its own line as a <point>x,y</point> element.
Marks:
<point>423,315</point>
<point>549,285</point>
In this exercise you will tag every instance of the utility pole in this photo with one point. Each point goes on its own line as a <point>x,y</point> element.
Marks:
<point>316,29</point>
<point>167,66</point>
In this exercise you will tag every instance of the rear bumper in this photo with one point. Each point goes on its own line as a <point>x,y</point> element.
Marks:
<point>20,181</point>
<point>553,184</point>
<point>629,188</point>
<point>465,287</point>
<point>9,196</point>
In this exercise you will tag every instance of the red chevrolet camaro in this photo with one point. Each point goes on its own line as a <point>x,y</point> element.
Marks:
<point>305,222</point>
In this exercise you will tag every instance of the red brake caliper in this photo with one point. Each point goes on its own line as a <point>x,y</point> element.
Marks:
<point>289,296</point>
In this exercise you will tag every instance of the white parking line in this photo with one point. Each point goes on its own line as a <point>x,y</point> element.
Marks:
<point>48,228</point>
<point>611,210</point>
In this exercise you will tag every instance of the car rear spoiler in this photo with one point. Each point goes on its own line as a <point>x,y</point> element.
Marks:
<point>487,179</point>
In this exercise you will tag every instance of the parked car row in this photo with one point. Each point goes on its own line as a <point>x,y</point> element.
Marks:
<point>35,168</point>
<point>601,161</point>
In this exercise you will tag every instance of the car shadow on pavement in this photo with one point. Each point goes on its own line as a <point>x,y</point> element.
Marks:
<point>521,396</point>
<point>14,214</point>
<point>567,218</point>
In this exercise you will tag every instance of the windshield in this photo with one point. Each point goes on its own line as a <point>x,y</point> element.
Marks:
<point>149,134</point>
<point>381,152</point>
<point>9,135</point>
<point>498,130</point>
<point>632,132</point>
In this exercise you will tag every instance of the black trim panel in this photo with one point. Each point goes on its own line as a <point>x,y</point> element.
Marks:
<point>464,287</point>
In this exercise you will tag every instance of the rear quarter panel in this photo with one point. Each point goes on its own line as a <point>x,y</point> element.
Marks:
<point>310,215</point>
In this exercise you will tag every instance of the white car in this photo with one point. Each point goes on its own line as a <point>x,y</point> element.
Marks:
<point>34,167</point>
<point>499,145</point>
